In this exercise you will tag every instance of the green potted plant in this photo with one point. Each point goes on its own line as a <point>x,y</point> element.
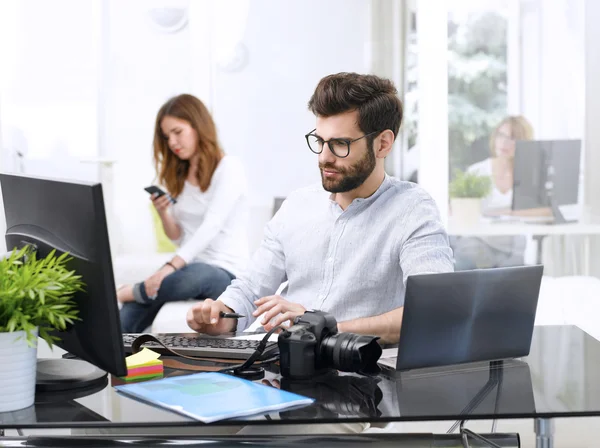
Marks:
<point>36,298</point>
<point>466,193</point>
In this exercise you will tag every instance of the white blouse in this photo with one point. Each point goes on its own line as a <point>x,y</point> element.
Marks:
<point>214,223</point>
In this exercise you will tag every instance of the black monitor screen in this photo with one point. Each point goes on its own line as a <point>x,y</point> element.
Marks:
<point>69,216</point>
<point>546,173</point>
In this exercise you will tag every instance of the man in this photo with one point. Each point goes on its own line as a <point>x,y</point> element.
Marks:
<point>346,246</point>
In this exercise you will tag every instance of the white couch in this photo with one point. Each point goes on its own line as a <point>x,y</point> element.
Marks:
<point>130,269</point>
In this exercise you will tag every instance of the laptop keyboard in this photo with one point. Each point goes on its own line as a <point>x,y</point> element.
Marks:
<point>193,344</point>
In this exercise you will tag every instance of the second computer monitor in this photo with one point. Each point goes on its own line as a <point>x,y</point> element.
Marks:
<point>546,173</point>
<point>69,216</point>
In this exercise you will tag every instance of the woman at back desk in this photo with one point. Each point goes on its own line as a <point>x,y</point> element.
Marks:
<point>496,251</point>
<point>208,221</point>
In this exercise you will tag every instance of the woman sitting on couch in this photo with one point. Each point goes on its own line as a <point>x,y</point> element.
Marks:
<point>207,219</point>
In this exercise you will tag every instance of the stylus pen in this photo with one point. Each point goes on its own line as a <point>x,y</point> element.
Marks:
<point>231,315</point>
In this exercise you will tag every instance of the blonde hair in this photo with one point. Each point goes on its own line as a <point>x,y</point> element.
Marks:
<point>172,171</point>
<point>520,129</point>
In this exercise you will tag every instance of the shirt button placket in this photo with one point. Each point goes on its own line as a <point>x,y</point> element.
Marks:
<point>328,277</point>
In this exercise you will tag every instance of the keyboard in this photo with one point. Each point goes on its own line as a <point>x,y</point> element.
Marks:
<point>201,345</point>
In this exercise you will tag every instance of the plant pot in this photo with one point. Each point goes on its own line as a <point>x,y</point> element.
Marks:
<point>18,363</point>
<point>466,211</point>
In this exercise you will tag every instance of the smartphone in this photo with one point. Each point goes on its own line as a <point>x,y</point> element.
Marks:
<point>154,189</point>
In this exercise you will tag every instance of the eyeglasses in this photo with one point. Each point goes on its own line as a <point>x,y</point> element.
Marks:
<point>340,147</point>
<point>504,136</point>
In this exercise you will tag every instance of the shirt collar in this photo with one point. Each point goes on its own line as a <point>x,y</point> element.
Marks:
<point>382,188</point>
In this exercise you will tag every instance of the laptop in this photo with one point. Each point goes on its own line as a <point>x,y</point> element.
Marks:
<point>468,316</point>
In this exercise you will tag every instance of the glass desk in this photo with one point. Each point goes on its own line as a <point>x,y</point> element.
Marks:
<point>557,379</point>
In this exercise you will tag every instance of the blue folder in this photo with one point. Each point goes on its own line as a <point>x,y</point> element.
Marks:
<point>211,396</point>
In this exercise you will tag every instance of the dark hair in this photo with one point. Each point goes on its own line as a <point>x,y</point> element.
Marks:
<point>375,99</point>
<point>171,170</point>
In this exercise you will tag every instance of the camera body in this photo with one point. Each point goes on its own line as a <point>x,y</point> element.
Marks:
<point>299,345</point>
<point>313,345</point>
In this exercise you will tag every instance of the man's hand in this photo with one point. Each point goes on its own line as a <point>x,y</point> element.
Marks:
<point>271,306</point>
<point>205,317</point>
<point>152,283</point>
<point>273,383</point>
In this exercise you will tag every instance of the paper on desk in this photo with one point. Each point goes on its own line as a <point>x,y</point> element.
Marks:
<point>388,357</point>
<point>257,337</point>
<point>142,357</point>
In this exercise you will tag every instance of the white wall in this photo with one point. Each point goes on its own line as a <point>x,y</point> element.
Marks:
<point>142,68</point>
<point>48,88</point>
<point>592,112</point>
<point>432,141</point>
<point>552,67</point>
<point>261,109</point>
<point>49,92</point>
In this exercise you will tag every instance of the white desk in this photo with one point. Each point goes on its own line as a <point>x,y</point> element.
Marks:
<point>537,231</point>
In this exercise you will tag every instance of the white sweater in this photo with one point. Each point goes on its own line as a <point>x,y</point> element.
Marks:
<point>214,223</point>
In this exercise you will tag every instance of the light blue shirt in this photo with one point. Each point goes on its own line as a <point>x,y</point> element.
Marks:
<point>352,263</point>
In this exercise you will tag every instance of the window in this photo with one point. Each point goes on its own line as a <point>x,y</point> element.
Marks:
<point>477,80</point>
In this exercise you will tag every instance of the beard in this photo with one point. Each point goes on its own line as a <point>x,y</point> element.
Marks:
<point>351,177</point>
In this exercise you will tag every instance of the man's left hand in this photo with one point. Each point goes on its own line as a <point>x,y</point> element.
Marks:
<point>276,311</point>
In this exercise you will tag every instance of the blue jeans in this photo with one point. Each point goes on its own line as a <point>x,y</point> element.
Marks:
<point>193,281</point>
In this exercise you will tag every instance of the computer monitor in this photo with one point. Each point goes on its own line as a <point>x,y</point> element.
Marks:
<point>69,216</point>
<point>546,175</point>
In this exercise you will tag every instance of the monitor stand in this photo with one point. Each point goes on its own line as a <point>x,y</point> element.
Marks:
<point>66,374</point>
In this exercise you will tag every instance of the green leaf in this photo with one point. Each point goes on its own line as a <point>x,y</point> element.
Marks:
<point>469,185</point>
<point>38,292</point>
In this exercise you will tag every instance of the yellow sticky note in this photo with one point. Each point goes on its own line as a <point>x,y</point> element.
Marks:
<point>142,357</point>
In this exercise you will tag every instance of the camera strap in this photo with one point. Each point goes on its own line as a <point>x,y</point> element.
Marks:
<point>244,370</point>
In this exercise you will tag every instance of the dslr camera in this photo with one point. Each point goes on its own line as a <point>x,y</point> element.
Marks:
<point>313,345</point>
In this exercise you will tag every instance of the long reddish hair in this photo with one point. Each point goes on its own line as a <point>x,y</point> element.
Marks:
<point>170,169</point>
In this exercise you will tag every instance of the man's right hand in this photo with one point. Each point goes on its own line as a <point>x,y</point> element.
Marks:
<point>204,317</point>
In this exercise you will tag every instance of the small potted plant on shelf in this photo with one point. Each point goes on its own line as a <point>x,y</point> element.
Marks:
<point>466,193</point>
<point>36,298</point>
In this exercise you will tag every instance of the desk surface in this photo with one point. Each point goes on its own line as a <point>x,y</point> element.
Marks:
<point>557,379</point>
<point>488,228</point>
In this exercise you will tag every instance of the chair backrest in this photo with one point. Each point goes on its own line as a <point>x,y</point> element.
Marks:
<point>163,243</point>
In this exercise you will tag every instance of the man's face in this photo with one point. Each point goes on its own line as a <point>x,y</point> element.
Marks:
<point>340,175</point>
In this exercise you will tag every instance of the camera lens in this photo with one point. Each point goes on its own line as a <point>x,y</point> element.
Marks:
<point>350,352</point>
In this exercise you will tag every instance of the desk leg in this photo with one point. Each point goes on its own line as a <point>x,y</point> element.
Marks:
<point>544,433</point>
<point>586,254</point>
<point>539,240</point>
